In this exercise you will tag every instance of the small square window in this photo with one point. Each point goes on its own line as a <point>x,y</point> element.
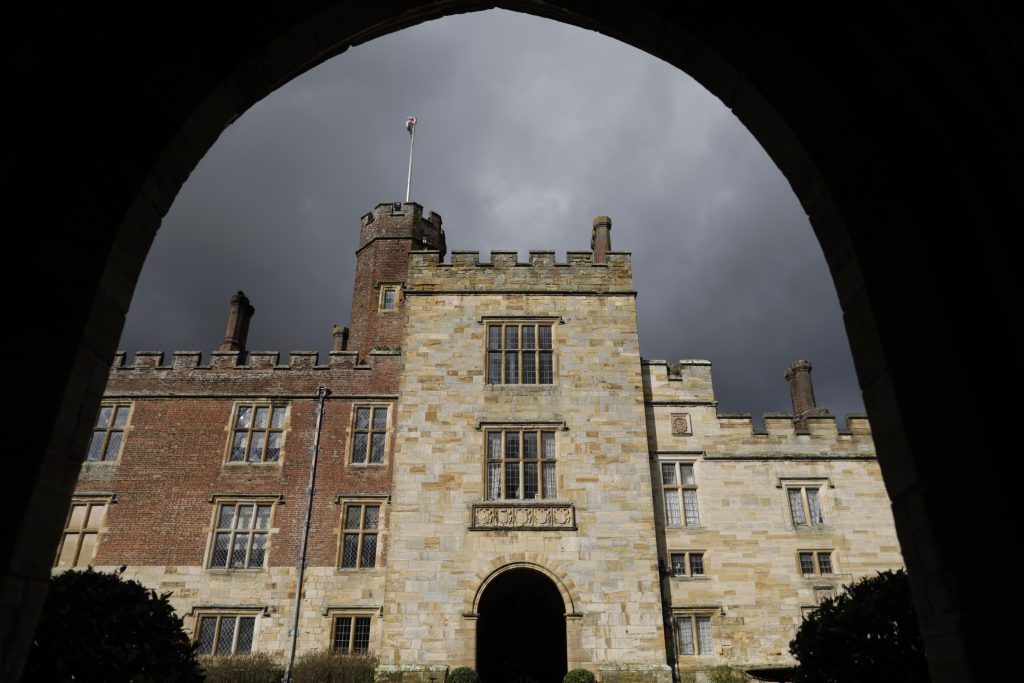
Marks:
<point>108,434</point>
<point>815,562</point>
<point>351,634</point>
<point>688,563</point>
<point>222,635</point>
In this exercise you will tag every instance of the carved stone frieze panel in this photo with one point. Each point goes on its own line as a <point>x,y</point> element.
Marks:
<point>523,516</point>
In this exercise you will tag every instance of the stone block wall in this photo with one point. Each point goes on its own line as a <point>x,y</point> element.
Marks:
<point>604,563</point>
<point>753,586</point>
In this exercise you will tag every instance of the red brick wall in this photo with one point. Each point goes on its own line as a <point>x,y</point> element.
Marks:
<point>173,457</point>
<point>385,240</point>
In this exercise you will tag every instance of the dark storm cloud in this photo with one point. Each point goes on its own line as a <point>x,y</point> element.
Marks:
<point>528,129</point>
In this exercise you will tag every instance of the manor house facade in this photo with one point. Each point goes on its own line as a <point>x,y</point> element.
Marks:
<point>483,473</point>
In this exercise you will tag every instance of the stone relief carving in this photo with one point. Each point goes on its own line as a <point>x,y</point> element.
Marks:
<point>681,424</point>
<point>505,515</point>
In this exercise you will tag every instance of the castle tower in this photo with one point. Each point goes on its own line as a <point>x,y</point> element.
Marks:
<point>386,236</point>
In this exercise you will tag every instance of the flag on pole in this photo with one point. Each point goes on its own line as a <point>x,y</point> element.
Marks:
<point>410,125</point>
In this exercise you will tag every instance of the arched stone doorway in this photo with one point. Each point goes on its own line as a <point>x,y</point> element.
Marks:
<point>520,633</point>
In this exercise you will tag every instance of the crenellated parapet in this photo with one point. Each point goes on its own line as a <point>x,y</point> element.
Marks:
<point>683,380</point>
<point>682,415</point>
<point>233,373</point>
<point>403,221</point>
<point>504,273</point>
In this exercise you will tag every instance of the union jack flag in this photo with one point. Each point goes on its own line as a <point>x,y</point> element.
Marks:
<point>410,123</point>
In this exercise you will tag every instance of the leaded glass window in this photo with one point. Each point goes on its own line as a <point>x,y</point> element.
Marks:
<point>359,538</point>
<point>679,485</point>
<point>351,635</point>
<point>369,435</point>
<point>689,563</point>
<point>521,464</point>
<point>805,505</point>
<point>108,433</point>
<point>693,635</point>
<point>388,297</point>
<point>225,634</point>
<point>815,562</point>
<point>519,353</point>
<point>258,433</point>
<point>240,536</point>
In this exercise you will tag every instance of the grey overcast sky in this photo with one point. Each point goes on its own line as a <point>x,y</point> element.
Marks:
<point>527,130</point>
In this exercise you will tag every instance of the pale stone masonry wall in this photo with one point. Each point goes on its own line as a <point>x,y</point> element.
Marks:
<point>269,594</point>
<point>752,586</point>
<point>606,567</point>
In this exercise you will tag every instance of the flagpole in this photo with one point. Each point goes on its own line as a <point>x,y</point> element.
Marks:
<point>410,124</point>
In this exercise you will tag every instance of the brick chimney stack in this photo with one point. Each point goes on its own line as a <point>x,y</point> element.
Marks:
<point>601,238</point>
<point>238,324</point>
<point>340,338</point>
<point>801,391</point>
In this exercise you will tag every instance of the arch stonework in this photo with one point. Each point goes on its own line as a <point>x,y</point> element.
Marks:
<point>559,577</point>
<point>887,128</point>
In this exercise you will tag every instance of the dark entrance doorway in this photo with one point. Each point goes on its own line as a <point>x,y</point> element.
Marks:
<point>520,635</point>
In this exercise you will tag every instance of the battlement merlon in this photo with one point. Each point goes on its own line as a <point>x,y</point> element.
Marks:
<point>683,381</point>
<point>506,274</point>
<point>403,221</point>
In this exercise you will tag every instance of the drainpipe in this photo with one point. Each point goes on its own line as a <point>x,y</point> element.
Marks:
<point>321,394</point>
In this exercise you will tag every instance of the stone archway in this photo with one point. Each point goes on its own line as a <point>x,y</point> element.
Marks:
<point>886,124</point>
<point>521,634</point>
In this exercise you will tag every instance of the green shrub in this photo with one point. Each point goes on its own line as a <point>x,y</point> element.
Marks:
<point>463,674</point>
<point>727,674</point>
<point>578,676</point>
<point>101,627</point>
<point>327,666</point>
<point>257,667</point>
<point>868,633</point>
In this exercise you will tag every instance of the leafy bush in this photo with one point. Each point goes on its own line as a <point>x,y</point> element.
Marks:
<point>328,666</point>
<point>463,674</point>
<point>868,633</point>
<point>257,667</point>
<point>727,674</point>
<point>578,676</point>
<point>101,627</point>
